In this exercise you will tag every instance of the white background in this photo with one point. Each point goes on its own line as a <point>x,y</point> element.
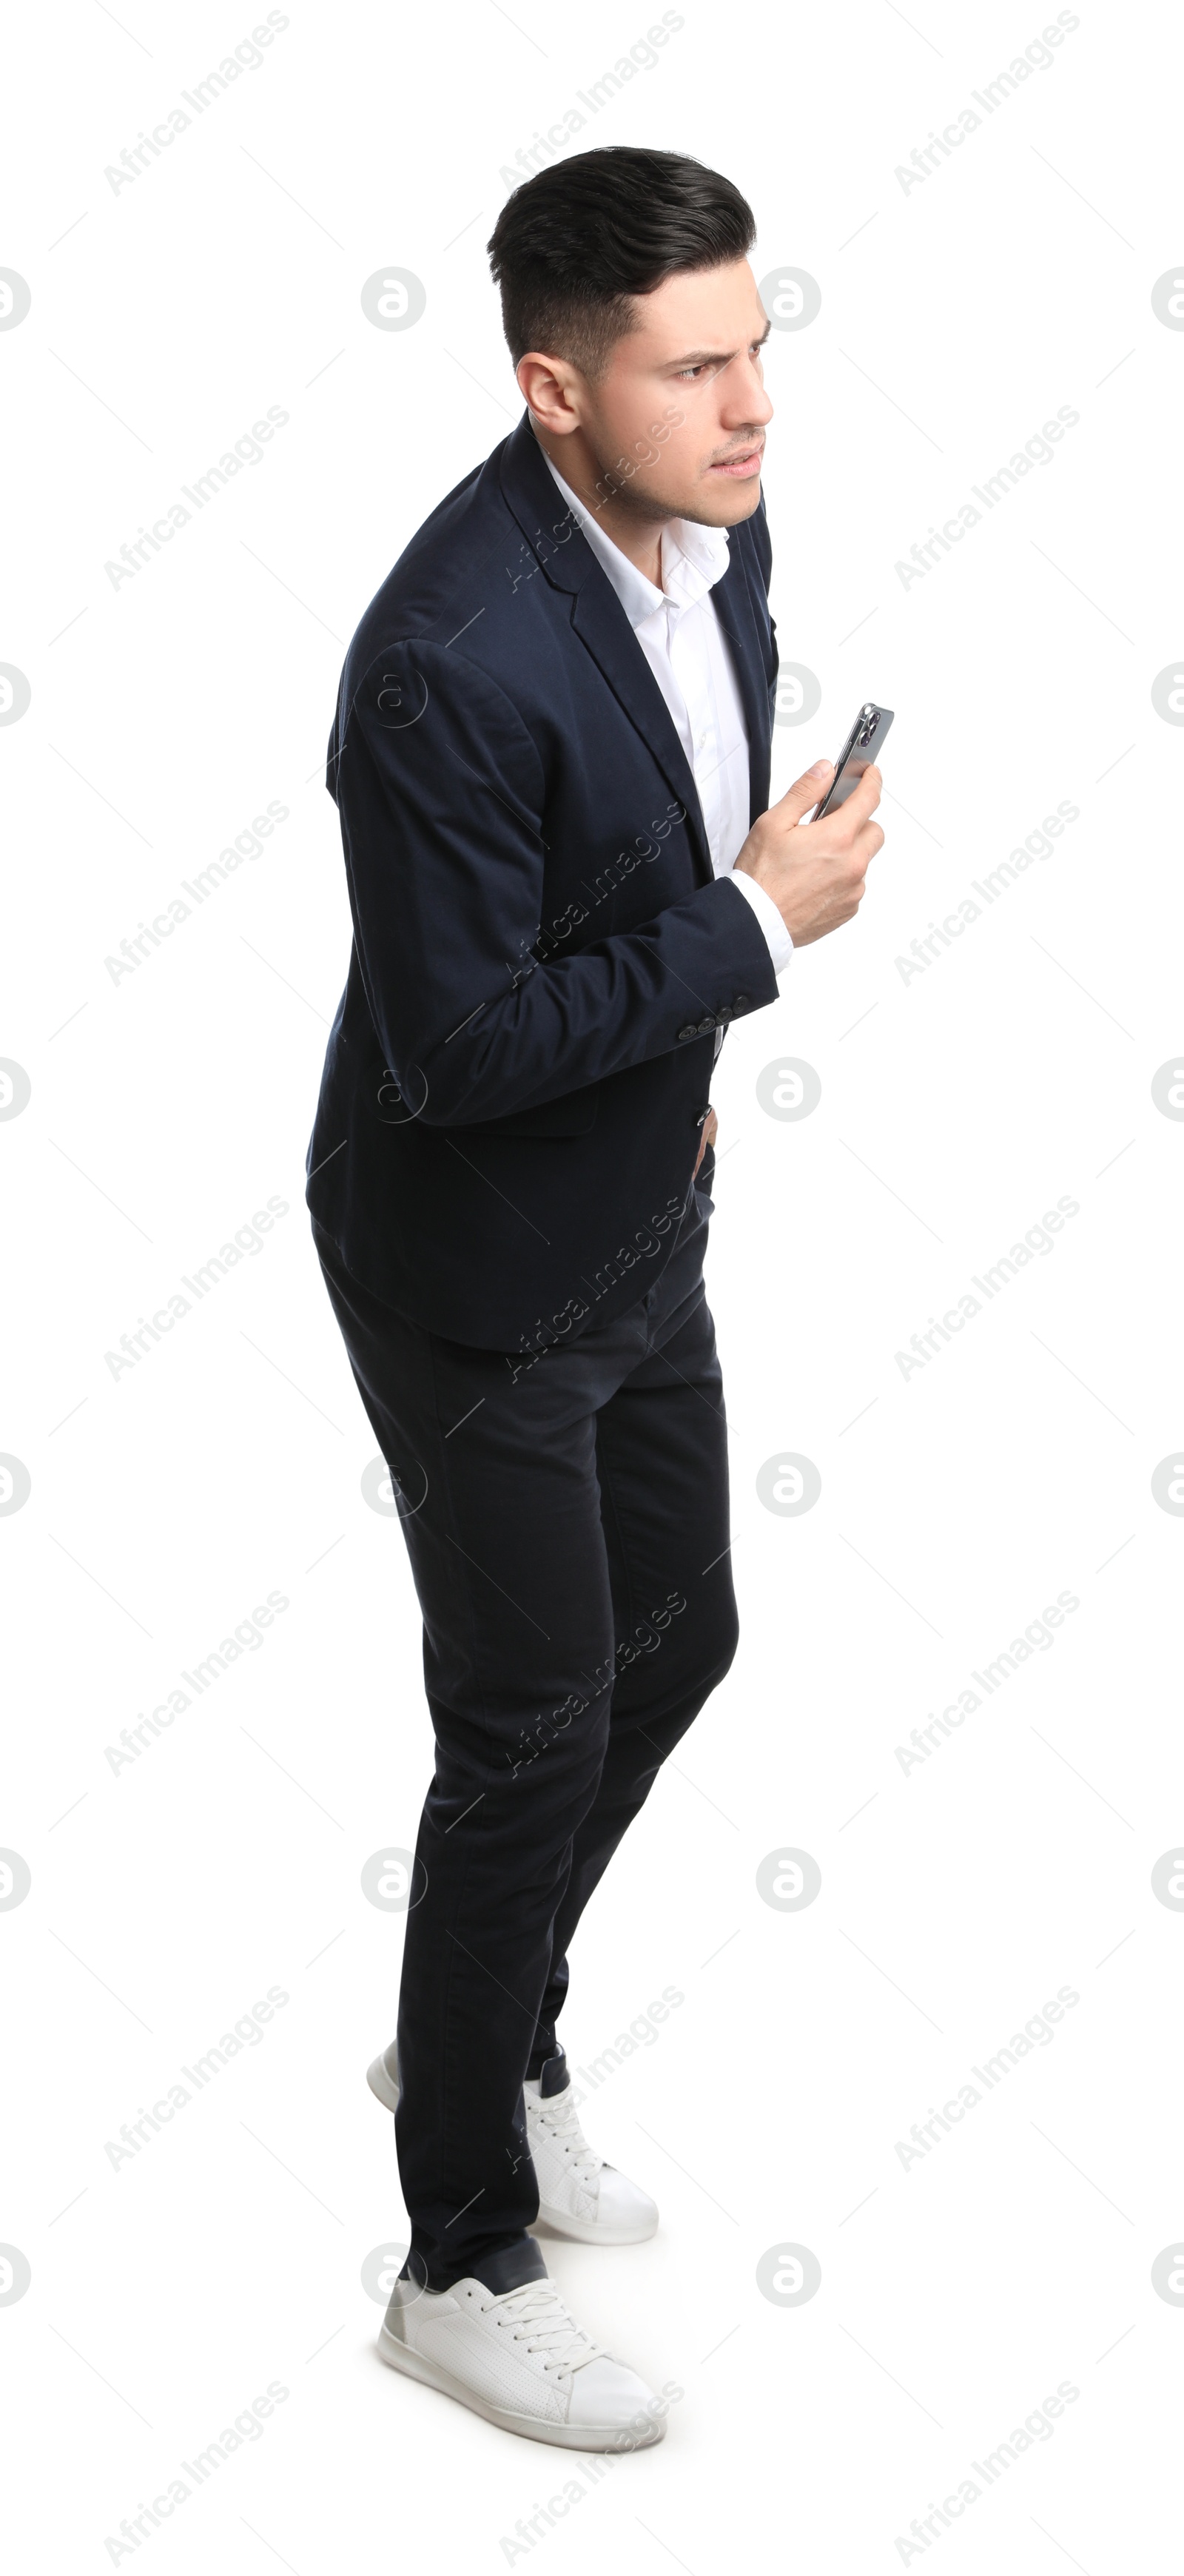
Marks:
<point>1016,2254</point>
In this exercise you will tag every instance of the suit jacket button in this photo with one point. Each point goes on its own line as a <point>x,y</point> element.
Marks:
<point>705,1025</point>
<point>687,1033</point>
<point>742,1002</point>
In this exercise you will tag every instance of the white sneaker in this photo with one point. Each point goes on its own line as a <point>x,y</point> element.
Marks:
<point>521,2361</point>
<point>383,2078</point>
<point>579,2194</point>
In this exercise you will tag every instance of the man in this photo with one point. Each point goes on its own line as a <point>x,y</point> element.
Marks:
<point>551,760</point>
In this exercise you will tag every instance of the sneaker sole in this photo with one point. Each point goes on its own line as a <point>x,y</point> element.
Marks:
<point>585,2231</point>
<point>565,2437</point>
<point>580,2231</point>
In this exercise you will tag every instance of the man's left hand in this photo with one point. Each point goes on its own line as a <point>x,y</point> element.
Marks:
<point>708,1137</point>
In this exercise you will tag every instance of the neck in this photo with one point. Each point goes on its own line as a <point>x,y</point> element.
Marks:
<point>639,539</point>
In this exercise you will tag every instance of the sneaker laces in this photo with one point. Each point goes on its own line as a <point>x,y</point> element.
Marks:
<point>561,2122</point>
<point>538,2319</point>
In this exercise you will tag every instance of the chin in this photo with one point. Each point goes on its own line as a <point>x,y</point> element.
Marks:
<point>727,505</point>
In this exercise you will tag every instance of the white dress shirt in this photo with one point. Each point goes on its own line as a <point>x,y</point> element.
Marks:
<point>679,634</point>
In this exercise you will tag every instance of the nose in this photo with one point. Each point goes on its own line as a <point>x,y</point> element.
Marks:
<point>746,403</point>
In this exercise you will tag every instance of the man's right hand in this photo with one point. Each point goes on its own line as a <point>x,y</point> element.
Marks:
<point>815,871</point>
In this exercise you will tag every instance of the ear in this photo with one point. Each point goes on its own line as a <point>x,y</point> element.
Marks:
<point>547,386</point>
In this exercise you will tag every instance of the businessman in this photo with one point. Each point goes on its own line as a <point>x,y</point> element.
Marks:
<point>551,762</point>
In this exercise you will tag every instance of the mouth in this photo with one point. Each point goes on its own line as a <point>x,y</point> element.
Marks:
<point>743,465</point>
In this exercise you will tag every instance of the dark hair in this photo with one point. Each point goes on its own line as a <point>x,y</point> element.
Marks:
<point>572,247</point>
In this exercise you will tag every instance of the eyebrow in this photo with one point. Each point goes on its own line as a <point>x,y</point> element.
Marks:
<point>719,357</point>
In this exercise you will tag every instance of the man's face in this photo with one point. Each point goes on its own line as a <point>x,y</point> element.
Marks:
<point>681,403</point>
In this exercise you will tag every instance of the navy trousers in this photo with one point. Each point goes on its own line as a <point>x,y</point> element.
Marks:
<point>566,1518</point>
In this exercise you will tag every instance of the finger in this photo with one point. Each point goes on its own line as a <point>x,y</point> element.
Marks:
<point>805,791</point>
<point>849,819</point>
<point>864,798</point>
<point>868,841</point>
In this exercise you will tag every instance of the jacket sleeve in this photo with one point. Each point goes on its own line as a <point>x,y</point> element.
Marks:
<point>441,793</point>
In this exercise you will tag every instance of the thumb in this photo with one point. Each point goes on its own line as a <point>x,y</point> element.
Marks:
<point>806,791</point>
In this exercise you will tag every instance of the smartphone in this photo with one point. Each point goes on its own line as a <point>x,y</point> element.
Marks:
<point>863,745</point>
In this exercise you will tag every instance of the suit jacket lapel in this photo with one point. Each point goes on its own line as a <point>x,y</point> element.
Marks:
<point>735,612</point>
<point>603,628</point>
<point>601,624</point>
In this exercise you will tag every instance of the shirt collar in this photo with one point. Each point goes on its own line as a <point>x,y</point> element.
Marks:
<point>694,558</point>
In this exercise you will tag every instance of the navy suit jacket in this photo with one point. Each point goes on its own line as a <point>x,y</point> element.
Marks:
<point>519,1067</point>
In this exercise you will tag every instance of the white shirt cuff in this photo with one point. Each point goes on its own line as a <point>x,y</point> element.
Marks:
<point>780,945</point>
